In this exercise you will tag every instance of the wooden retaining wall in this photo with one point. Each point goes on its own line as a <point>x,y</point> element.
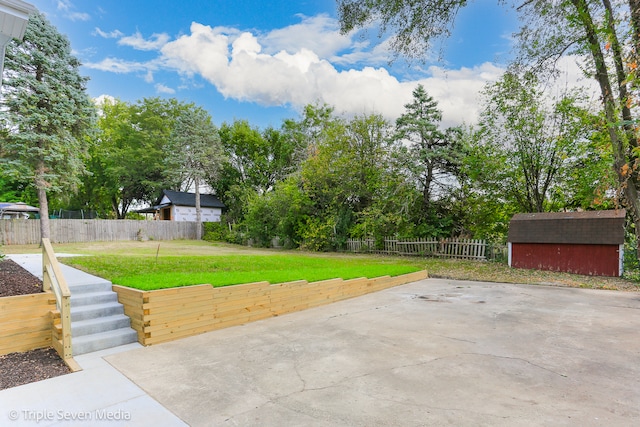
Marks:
<point>167,314</point>
<point>26,322</point>
<point>27,231</point>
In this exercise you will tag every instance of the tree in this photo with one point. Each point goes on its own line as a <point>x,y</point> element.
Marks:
<point>528,144</point>
<point>194,153</point>
<point>431,156</point>
<point>46,113</point>
<point>596,30</point>
<point>416,23</point>
<point>128,160</point>
<point>255,161</point>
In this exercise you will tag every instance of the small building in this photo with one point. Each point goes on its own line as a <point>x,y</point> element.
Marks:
<point>17,210</point>
<point>181,206</point>
<point>588,243</point>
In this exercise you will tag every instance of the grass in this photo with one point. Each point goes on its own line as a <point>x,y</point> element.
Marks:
<point>147,273</point>
<point>182,262</point>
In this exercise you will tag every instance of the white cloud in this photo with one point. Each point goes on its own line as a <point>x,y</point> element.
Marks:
<point>67,7</point>
<point>119,66</point>
<point>297,65</point>
<point>79,16</point>
<point>108,35</point>
<point>238,68</point>
<point>103,99</point>
<point>136,41</point>
<point>64,5</point>
<point>319,34</point>
<point>160,88</point>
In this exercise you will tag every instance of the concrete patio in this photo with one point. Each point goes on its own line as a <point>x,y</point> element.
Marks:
<point>434,352</point>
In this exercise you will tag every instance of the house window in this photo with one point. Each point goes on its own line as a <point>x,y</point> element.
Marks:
<point>166,214</point>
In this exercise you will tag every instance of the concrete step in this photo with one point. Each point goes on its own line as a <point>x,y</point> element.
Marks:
<point>93,311</point>
<point>94,342</point>
<point>92,298</point>
<point>97,286</point>
<point>99,325</point>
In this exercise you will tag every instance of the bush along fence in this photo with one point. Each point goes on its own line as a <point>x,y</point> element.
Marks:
<point>470,249</point>
<point>27,231</point>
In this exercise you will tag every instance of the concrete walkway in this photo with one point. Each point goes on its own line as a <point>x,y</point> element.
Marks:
<point>33,264</point>
<point>97,395</point>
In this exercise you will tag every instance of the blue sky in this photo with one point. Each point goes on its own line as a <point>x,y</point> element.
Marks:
<point>263,61</point>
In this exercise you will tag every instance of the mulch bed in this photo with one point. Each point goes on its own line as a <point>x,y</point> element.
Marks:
<point>15,280</point>
<point>30,366</point>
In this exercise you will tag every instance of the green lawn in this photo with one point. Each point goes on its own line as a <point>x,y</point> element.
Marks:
<point>147,273</point>
<point>187,262</point>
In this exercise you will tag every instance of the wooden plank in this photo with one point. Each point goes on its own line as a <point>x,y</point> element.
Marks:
<point>129,292</point>
<point>176,300</point>
<point>179,323</point>
<point>26,342</point>
<point>161,294</point>
<point>163,317</point>
<point>186,305</point>
<point>19,302</point>
<point>193,326</point>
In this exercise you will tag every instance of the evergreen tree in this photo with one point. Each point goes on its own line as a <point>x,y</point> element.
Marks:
<point>46,113</point>
<point>194,152</point>
<point>432,155</point>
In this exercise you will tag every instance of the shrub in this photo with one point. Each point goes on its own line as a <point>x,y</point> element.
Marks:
<point>318,235</point>
<point>216,231</point>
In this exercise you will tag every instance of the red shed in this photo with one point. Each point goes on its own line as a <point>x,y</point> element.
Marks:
<point>589,243</point>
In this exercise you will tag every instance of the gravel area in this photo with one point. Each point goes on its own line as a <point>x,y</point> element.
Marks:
<point>35,365</point>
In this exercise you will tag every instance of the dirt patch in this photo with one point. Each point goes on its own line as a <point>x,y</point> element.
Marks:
<point>31,366</point>
<point>15,280</point>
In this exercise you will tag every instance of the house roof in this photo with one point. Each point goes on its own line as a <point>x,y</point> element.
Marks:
<point>588,227</point>
<point>17,207</point>
<point>180,198</point>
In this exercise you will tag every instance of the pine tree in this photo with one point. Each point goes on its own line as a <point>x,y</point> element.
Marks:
<point>194,152</point>
<point>431,156</point>
<point>45,113</point>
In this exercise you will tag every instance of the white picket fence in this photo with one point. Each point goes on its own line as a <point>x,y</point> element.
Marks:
<point>473,249</point>
<point>27,231</point>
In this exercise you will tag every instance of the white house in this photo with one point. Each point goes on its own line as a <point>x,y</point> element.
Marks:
<point>180,206</point>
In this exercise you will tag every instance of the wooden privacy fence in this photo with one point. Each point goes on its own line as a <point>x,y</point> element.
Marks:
<point>474,249</point>
<point>27,231</point>
<point>168,314</point>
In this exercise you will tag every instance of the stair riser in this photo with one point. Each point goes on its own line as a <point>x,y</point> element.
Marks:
<point>96,328</point>
<point>127,337</point>
<point>107,310</point>
<point>91,299</point>
<point>92,287</point>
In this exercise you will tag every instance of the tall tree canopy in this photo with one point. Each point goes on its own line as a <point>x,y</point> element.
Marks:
<point>605,34</point>
<point>128,160</point>
<point>45,113</point>
<point>528,144</point>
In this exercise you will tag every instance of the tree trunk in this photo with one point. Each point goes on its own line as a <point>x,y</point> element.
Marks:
<point>198,210</point>
<point>634,6</point>
<point>41,187</point>
<point>622,164</point>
